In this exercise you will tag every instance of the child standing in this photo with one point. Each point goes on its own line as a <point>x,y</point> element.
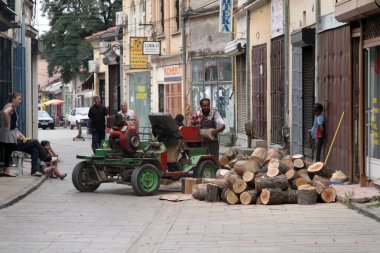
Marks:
<point>51,167</point>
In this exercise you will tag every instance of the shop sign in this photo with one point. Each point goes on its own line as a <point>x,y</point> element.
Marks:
<point>141,93</point>
<point>151,48</point>
<point>172,73</point>
<point>225,16</point>
<point>137,59</point>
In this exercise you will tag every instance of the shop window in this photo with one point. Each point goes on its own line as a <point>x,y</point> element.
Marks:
<point>176,15</point>
<point>161,98</point>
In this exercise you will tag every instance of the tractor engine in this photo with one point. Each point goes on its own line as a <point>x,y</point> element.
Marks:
<point>124,136</point>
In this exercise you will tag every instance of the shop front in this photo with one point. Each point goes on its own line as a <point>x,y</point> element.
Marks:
<point>212,78</point>
<point>139,96</point>
<point>169,79</point>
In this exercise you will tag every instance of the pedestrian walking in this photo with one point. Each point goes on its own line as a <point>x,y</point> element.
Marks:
<point>212,122</point>
<point>97,115</point>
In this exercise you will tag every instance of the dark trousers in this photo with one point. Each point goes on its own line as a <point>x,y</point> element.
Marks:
<point>318,145</point>
<point>213,149</point>
<point>8,148</point>
<point>97,137</point>
<point>34,148</point>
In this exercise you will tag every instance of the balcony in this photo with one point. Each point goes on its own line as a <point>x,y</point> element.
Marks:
<point>351,10</point>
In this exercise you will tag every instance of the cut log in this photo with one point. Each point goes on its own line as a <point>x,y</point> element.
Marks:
<point>249,176</point>
<point>320,183</point>
<point>299,182</point>
<point>221,183</point>
<point>273,153</point>
<point>259,154</point>
<point>248,197</point>
<point>273,167</point>
<point>222,173</point>
<point>272,172</point>
<point>303,173</point>
<point>318,168</point>
<point>212,193</point>
<point>246,165</point>
<point>279,181</point>
<point>272,196</point>
<point>297,156</point>
<point>328,195</point>
<point>231,153</point>
<point>224,161</point>
<point>307,195</point>
<point>230,180</point>
<point>231,197</point>
<point>299,163</point>
<point>187,185</point>
<point>233,161</point>
<point>290,174</point>
<point>239,186</point>
<point>223,194</point>
<point>288,162</point>
<point>290,197</point>
<point>199,191</point>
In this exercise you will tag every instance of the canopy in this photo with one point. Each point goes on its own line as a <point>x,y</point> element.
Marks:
<point>54,102</point>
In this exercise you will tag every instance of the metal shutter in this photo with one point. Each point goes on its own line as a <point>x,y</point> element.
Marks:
<point>241,96</point>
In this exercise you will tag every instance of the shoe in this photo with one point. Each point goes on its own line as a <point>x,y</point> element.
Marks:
<point>63,177</point>
<point>37,174</point>
<point>47,159</point>
<point>54,159</point>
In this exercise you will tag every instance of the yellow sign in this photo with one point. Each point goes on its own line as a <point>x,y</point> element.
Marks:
<point>141,95</point>
<point>140,88</point>
<point>137,58</point>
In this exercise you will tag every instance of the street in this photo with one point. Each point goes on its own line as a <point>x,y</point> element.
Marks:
<point>58,218</point>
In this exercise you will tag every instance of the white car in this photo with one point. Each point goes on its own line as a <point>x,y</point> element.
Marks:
<point>44,120</point>
<point>78,115</point>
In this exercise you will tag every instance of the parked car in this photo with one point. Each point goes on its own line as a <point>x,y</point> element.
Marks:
<point>78,115</point>
<point>44,120</point>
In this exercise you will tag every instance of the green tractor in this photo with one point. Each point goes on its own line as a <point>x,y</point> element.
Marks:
<point>172,152</point>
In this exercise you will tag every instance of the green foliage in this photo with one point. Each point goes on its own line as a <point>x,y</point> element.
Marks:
<point>66,49</point>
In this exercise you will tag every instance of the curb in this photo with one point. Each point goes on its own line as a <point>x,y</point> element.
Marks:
<point>22,193</point>
<point>361,208</point>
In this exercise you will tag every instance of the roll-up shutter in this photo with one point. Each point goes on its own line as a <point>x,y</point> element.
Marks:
<point>241,93</point>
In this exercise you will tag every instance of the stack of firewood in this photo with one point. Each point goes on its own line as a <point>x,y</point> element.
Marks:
<point>265,177</point>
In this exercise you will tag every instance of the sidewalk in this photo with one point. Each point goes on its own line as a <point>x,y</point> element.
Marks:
<point>16,188</point>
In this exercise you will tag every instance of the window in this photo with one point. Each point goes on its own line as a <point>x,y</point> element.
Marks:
<point>162,17</point>
<point>161,98</point>
<point>176,16</point>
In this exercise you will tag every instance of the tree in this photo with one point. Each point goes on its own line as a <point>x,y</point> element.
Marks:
<point>71,21</point>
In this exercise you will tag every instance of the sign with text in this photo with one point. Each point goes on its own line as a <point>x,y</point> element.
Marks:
<point>172,73</point>
<point>277,18</point>
<point>137,59</point>
<point>225,16</point>
<point>151,48</point>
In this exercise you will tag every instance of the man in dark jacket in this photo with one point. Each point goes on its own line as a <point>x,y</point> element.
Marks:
<point>97,115</point>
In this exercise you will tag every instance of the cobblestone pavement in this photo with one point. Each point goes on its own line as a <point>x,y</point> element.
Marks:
<point>58,218</point>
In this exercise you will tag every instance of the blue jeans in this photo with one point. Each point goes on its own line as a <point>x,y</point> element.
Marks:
<point>97,137</point>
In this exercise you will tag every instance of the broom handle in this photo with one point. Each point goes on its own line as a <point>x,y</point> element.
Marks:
<point>332,143</point>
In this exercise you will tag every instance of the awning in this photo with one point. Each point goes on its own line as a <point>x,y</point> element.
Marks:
<point>235,47</point>
<point>54,102</point>
<point>89,83</point>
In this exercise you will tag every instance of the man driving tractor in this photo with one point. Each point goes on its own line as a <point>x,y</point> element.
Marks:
<point>211,123</point>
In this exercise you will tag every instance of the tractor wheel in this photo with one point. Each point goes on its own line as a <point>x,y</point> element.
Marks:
<point>206,169</point>
<point>145,179</point>
<point>84,177</point>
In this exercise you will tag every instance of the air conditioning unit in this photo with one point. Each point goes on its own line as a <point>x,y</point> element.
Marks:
<point>92,66</point>
<point>104,47</point>
<point>120,18</point>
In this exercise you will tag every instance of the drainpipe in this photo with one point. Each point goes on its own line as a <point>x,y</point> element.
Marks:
<point>285,130</point>
<point>316,47</point>
<point>247,67</point>
<point>184,82</point>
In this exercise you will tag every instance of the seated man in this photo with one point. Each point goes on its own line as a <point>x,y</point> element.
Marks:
<point>34,148</point>
<point>128,114</point>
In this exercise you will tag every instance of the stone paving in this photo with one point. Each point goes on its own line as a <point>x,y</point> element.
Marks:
<point>57,218</point>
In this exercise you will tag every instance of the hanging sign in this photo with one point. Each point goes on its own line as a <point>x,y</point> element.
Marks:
<point>151,48</point>
<point>225,16</point>
<point>137,59</point>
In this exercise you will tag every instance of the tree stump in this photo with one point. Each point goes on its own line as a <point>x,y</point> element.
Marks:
<point>199,191</point>
<point>239,186</point>
<point>328,195</point>
<point>307,195</point>
<point>259,154</point>
<point>248,197</point>
<point>272,196</point>
<point>187,185</point>
<point>231,197</point>
<point>212,193</point>
<point>279,181</point>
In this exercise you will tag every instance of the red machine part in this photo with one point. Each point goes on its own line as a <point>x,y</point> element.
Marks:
<point>129,139</point>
